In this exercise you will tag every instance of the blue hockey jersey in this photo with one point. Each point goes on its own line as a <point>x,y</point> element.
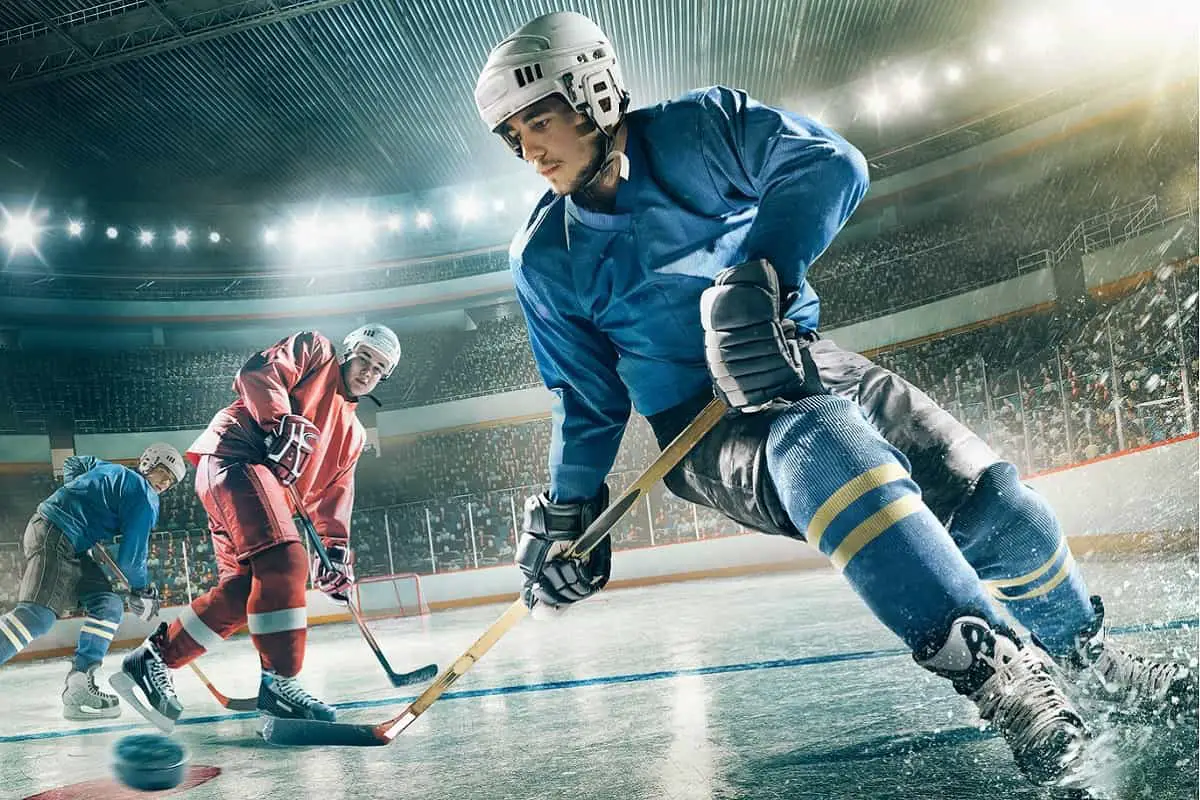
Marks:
<point>100,500</point>
<point>612,301</point>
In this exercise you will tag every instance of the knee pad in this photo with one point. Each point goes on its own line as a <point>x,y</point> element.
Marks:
<point>1010,535</point>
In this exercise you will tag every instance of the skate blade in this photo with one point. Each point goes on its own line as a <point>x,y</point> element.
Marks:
<point>84,716</point>
<point>128,689</point>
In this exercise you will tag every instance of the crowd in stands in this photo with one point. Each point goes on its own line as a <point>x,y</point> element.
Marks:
<point>1045,389</point>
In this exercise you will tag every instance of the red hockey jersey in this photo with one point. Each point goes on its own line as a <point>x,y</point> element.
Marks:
<point>298,375</point>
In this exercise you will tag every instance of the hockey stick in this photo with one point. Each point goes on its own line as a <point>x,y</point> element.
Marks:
<point>397,678</point>
<point>232,703</point>
<point>313,732</point>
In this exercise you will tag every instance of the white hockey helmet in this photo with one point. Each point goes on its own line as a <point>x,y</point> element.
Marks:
<point>562,53</point>
<point>377,338</point>
<point>161,454</point>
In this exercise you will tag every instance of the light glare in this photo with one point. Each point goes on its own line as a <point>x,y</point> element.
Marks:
<point>953,73</point>
<point>214,237</point>
<point>21,232</point>
<point>111,232</point>
<point>146,237</point>
<point>424,219</point>
<point>74,229</point>
<point>182,235</point>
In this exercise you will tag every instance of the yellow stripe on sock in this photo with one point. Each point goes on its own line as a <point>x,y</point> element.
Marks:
<point>20,627</point>
<point>850,491</point>
<point>102,622</point>
<point>103,634</point>
<point>873,526</point>
<point>994,586</point>
<point>12,636</point>
<point>1046,587</point>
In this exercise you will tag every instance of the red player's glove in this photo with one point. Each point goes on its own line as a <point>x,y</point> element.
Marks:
<point>290,446</point>
<point>339,577</point>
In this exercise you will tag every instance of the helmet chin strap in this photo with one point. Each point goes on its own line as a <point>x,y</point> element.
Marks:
<point>603,163</point>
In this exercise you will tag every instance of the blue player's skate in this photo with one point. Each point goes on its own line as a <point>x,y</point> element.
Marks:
<point>285,697</point>
<point>1015,692</point>
<point>1135,687</point>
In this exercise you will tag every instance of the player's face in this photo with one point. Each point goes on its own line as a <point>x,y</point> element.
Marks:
<point>160,479</point>
<point>363,371</point>
<point>561,144</point>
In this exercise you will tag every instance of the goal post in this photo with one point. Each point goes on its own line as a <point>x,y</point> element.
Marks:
<point>382,596</point>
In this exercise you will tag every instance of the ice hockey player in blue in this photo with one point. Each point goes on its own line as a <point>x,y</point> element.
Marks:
<point>669,258</point>
<point>97,501</point>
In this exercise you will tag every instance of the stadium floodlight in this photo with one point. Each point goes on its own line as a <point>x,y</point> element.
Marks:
<point>182,236</point>
<point>270,236</point>
<point>467,208</point>
<point>394,222</point>
<point>497,205</point>
<point>21,233</point>
<point>307,234</point>
<point>214,237</point>
<point>875,104</point>
<point>360,228</point>
<point>74,228</point>
<point>424,219</point>
<point>911,90</point>
<point>111,232</point>
<point>993,54</point>
<point>146,237</point>
<point>953,73</point>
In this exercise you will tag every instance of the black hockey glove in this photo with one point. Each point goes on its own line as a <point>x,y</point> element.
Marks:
<point>754,357</point>
<point>144,603</point>
<point>548,531</point>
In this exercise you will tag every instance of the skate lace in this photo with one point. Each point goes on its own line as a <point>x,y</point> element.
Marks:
<point>290,689</point>
<point>159,675</point>
<point>1021,699</point>
<point>94,690</point>
<point>1120,672</point>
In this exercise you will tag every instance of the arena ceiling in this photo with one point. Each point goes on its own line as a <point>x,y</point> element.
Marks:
<point>275,101</point>
<point>283,99</point>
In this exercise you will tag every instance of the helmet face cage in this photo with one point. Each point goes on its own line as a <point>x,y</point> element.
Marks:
<point>562,54</point>
<point>161,454</point>
<point>379,339</point>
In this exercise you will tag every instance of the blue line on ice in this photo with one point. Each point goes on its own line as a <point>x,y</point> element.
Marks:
<point>605,680</point>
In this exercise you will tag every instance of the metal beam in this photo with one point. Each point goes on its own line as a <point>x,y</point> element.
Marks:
<point>153,39</point>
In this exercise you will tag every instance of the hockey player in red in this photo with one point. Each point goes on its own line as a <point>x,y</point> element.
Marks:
<point>292,424</point>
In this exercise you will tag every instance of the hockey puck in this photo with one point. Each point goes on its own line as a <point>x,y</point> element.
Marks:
<point>149,762</point>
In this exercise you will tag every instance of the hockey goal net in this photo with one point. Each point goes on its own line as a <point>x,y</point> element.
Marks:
<point>396,595</point>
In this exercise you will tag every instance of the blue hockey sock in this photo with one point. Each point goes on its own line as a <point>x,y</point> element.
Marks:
<point>21,626</point>
<point>1011,537</point>
<point>104,612</point>
<point>851,493</point>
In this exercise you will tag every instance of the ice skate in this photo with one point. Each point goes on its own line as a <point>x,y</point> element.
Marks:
<point>144,670</point>
<point>285,697</point>
<point>83,699</point>
<point>1016,693</point>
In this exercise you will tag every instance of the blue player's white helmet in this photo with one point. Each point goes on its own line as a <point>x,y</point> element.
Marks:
<point>161,454</point>
<point>563,53</point>
<point>375,337</point>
